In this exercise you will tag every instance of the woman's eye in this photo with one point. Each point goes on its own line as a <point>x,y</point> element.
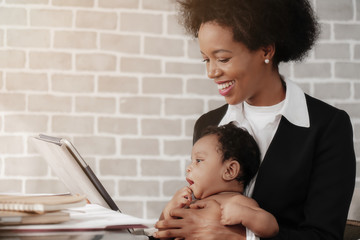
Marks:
<point>224,60</point>
<point>205,60</point>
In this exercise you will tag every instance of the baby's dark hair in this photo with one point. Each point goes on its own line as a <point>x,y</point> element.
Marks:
<point>290,25</point>
<point>238,144</point>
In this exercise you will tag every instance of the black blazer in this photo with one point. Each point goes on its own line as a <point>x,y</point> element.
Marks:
<point>307,177</point>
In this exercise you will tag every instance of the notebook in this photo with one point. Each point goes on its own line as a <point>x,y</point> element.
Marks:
<point>91,217</point>
<point>72,169</point>
<point>24,218</point>
<point>40,203</point>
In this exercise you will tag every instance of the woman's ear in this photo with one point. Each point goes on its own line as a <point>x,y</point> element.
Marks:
<point>268,51</point>
<point>232,169</point>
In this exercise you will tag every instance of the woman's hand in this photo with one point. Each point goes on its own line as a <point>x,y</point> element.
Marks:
<point>201,221</point>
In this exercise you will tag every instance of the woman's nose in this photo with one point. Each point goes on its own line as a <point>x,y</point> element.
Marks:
<point>213,71</point>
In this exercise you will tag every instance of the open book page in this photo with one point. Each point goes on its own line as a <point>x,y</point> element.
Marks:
<point>90,217</point>
<point>68,170</point>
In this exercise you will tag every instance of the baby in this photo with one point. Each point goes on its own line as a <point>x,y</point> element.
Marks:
<point>223,161</point>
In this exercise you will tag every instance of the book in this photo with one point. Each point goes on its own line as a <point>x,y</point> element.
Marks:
<point>40,203</point>
<point>91,217</point>
<point>23,218</point>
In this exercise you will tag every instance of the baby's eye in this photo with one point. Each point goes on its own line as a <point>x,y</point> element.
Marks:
<point>198,160</point>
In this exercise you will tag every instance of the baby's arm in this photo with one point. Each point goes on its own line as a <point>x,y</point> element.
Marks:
<point>243,210</point>
<point>180,199</point>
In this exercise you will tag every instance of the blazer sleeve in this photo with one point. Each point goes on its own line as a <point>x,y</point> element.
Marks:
<point>330,187</point>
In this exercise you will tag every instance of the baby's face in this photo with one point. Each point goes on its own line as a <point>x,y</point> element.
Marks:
<point>204,174</point>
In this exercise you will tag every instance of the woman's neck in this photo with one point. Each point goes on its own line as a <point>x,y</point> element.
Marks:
<point>273,91</point>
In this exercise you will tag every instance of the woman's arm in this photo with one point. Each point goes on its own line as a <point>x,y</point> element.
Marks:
<point>201,224</point>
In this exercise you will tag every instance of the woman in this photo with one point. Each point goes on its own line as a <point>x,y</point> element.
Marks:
<point>307,174</point>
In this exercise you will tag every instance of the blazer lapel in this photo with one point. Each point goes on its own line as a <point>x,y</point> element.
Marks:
<point>281,163</point>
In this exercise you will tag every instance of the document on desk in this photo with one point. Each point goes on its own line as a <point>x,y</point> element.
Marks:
<point>91,217</point>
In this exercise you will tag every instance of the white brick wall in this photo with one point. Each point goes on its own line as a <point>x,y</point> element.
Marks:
<point>122,81</point>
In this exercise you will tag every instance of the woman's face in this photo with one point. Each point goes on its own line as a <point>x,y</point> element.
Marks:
<point>237,71</point>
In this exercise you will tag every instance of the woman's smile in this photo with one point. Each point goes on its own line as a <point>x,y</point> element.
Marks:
<point>225,87</point>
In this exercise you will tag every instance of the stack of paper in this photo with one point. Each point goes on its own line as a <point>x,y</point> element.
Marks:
<point>37,209</point>
<point>91,217</point>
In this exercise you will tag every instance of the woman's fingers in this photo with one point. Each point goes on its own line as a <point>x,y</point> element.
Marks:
<point>205,204</point>
<point>169,223</point>
<point>168,233</point>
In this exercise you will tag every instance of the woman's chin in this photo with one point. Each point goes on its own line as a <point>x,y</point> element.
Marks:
<point>231,101</point>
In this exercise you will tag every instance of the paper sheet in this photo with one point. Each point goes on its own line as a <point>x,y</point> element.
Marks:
<point>90,217</point>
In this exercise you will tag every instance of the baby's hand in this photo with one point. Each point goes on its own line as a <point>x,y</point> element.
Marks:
<point>230,213</point>
<point>180,199</point>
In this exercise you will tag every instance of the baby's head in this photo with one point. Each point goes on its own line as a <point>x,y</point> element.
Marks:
<point>237,144</point>
<point>225,158</point>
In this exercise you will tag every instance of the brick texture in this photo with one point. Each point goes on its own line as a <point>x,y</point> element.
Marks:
<point>30,166</point>
<point>71,39</point>
<point>72,124</point>
<point>28,38</point>
<point>23,81</point>
<point>96,20</point>
<point>50,60</point>
<point>51,18</point>
<point>13,16</point>
<point>123,82</point>
<point>70,3</point>
<point>66,83</point>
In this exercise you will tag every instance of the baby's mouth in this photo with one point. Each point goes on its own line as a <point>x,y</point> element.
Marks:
<point>189,181</point>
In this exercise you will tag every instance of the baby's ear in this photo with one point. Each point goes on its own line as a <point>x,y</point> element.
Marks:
<point>231,169</point>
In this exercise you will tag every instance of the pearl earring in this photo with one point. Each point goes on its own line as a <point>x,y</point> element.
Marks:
<point>267,61</point>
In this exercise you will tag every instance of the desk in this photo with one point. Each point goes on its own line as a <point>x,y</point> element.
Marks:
<point>74,235</point>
